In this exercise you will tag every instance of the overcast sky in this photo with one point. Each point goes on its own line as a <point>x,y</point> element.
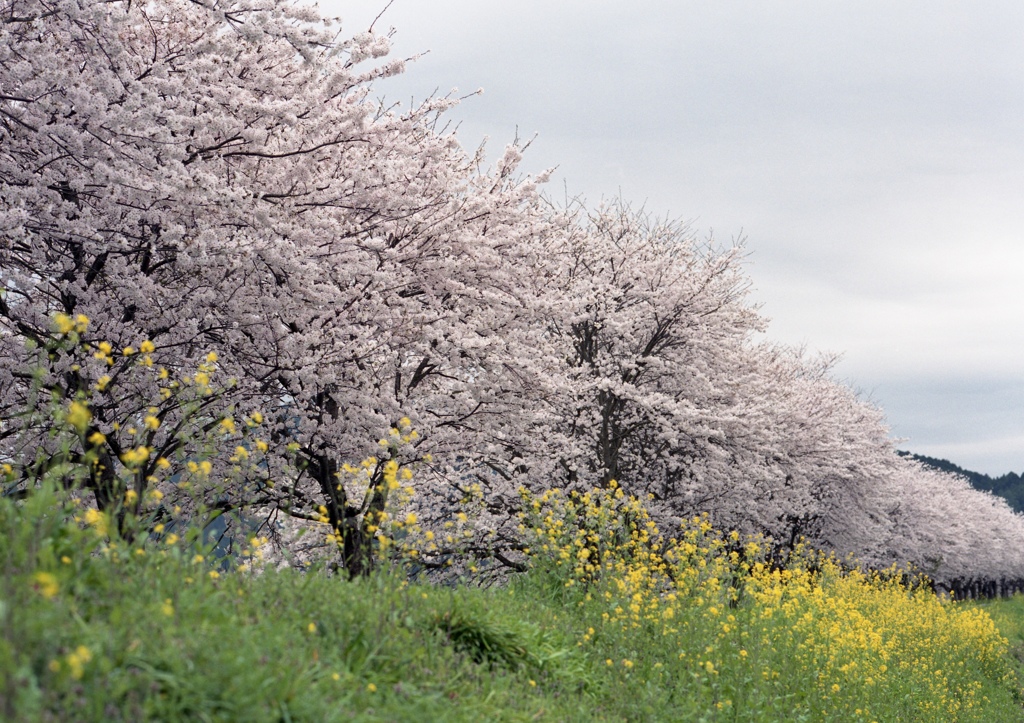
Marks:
<point>871,154</point>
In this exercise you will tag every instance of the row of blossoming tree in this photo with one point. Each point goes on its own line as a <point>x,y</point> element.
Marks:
<point>211,234</point>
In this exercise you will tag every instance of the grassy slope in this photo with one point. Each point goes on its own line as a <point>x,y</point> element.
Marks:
<point>292,646</point>
<point>1008,615</point>
<point>170,643</point>
<point>153,633</point>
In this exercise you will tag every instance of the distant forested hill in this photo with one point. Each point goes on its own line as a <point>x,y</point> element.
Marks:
<point>1010,486</point>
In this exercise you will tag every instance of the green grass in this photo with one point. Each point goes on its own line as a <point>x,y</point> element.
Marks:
<point>169,643</point>
<point>164,640</point>
<point>1008,615</point>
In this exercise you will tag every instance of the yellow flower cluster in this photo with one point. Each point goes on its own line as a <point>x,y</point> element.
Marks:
<point>868,631</point>
<point>861,634</point>
<point>66,325</point>
<point>104,351</point>
<point>136,457</point>
<point>201,468</point>
<point>97,520</point>
<point>45,583</point>
<point>396,530</point>
<point>400,435</point>
<point>74,661</point>
<point>79,416</point>
<point>393,533</point>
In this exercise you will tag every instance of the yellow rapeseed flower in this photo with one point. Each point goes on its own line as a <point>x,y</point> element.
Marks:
<point>135,457</point>
<point>64,323</point>
<point>46,584</point>
<point>79,416</point>
<point>97,520</point>
<point>76,661</point>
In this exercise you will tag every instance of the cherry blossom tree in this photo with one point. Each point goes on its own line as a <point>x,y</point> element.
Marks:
<point>672,392</point>
<point>674,396</point>
<point>216,178</point>
<point>966,540</point>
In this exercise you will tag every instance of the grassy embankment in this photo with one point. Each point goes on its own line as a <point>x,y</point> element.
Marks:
<point>603,628</point>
